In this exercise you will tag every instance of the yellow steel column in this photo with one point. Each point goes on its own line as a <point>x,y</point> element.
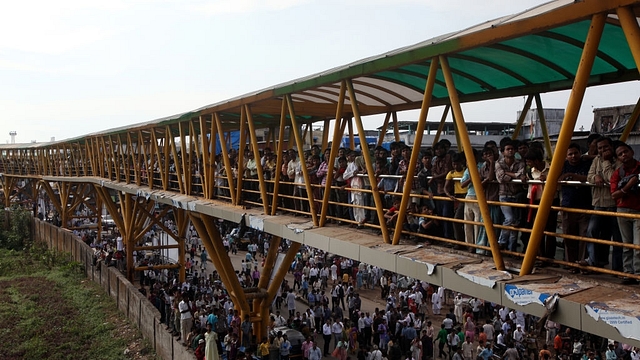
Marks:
<point>441,126</point>
<point>415,152</point>
<point>186,157</point>
<point>352,142</point>
<point>303,166</point>
<point>225,158</point>
<point>279,153</point>
<point>396,131</point>
<point>281,272</point>
<point>337,134</point>
<point>241,146</point>
<point>260,306</point>
<point>457,131</point>
<point>256,156</point>
<point>304,134</point>
<point>325,135</point>
<point>225,262</point>
<point>632,122</point>
<point>383,132</point>
<point>473,170</point>
<point>523,115</point>
<point>543,125</point>
<point>205,142</point>
<point>198,223</point>
<point>632,33</point>
<point>564,138</point>
<point>367,160</point>
<point>212,150</point>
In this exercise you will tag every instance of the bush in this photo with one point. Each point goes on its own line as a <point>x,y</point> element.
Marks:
<point>15,228</point>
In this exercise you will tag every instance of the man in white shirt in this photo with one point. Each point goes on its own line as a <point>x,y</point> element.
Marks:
<point>384,285</point>
<point>279,320</point>
<point>336,329</point>
<point>504,312</point>
<point>186,321</point>
<point>376,354</point>
<point>518,335</point>
<point>500,338</point>
<point>326,335</point>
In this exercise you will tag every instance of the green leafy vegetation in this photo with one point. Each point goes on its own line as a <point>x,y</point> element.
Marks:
<point>15,228</point>
<point>50,310</point>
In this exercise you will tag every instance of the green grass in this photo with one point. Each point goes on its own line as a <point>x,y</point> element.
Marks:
<point>50,310</point>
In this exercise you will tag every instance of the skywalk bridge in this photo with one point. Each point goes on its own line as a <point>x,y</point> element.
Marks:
<point>172,161</point>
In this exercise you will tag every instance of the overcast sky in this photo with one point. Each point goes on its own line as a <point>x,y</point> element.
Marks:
<point>72,67</point>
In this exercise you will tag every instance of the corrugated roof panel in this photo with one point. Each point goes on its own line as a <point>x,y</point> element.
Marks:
<point>387,96</point>
<point>396,88</point>
<point>529,69</point>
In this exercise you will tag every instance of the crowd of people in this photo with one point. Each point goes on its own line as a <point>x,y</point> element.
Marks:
<point>322,300</point>
<point>604,177</point>
<point>200,313</point>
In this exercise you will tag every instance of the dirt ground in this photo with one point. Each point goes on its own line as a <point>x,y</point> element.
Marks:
<point>38,318</point>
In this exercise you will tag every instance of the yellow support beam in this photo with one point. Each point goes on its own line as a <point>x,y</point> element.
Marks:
<point>225,159</point>
<point>441,126</point>
<point>473,169</point>
<point>543,125</point>
<point>632,122</point>
<point>279,153</point>
<point>198,223</point>
<point>383,132</point>
<point>367,160</point>
<point>303,166</point>
<point>325,135</point>
<point>225,262</point>
<point>241,147</point>
<point>564,138</point>
<point>523,115</point>
<point>411,169</point>
<point>337,135</point>
<point>275,284</point>
<point>396,131</point>
<point>256,156</point>
<point>631,30</point>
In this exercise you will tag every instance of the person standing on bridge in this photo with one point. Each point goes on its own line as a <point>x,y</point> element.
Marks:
<point>625,191</point>
<point>603,227</point>
<point>507,169</point>
<point>186,320</point>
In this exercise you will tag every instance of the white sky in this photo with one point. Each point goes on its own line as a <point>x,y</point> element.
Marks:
<point>72,67</point>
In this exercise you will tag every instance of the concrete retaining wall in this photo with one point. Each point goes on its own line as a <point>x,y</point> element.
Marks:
<point>127,297</point>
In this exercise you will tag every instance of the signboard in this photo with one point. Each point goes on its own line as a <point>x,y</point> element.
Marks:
<point>523,296</point>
